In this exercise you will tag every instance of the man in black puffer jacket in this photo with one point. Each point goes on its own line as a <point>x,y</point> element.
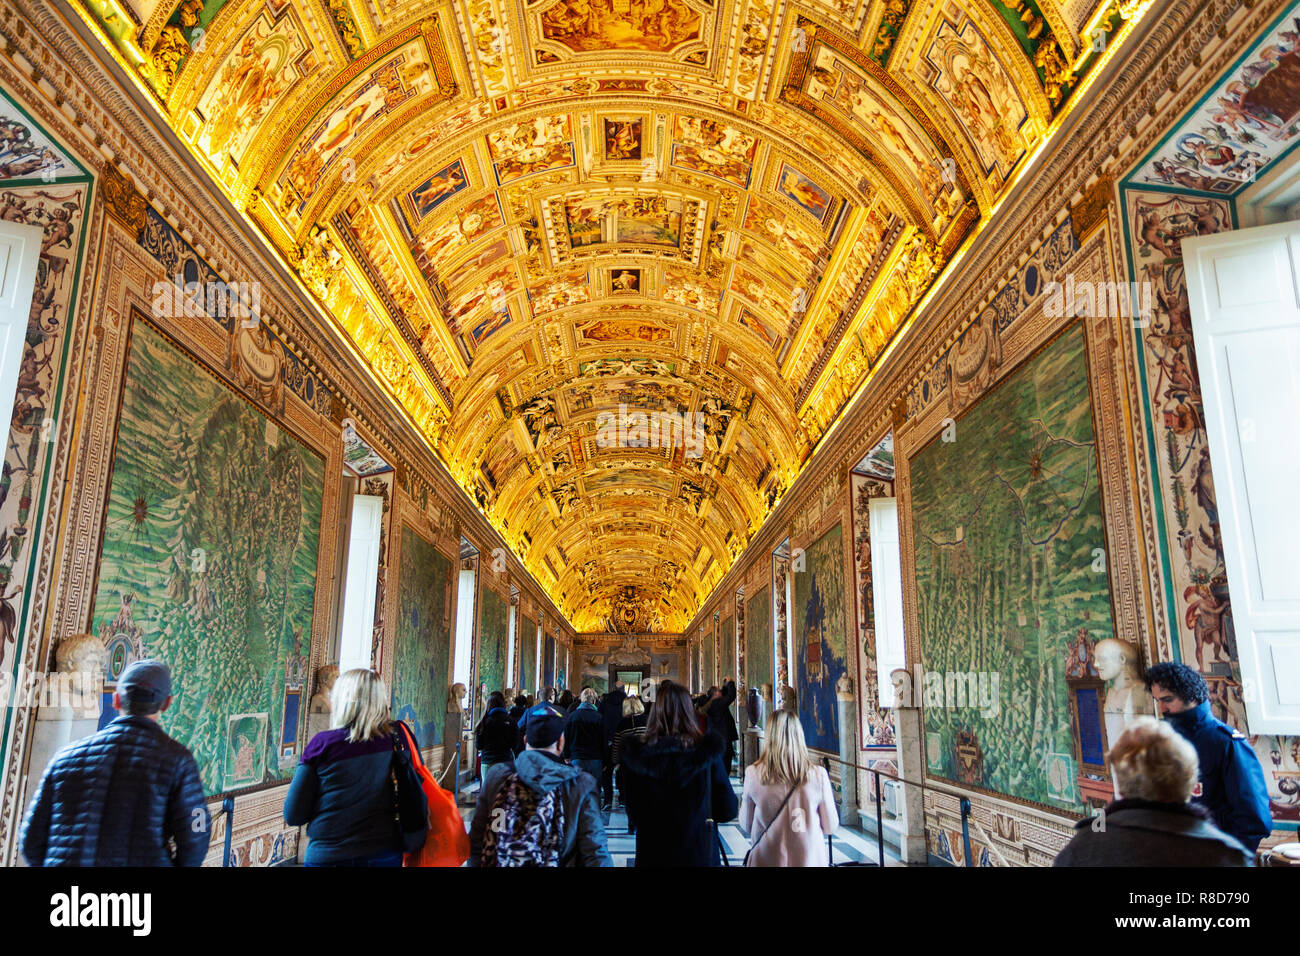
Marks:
<point>117,797</point>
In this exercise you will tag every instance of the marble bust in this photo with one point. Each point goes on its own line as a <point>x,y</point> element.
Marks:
<point>902,682</point>
<point>1126,694</point>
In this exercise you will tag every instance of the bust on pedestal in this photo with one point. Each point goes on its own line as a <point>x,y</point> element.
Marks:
<point>455,723</point>
<point>68,701</point>
<point>911,766</point>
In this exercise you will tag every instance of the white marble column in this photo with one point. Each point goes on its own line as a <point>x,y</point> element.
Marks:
<point>911,767</point>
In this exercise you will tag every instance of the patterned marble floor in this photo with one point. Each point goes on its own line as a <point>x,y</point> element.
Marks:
<point>850,844</point>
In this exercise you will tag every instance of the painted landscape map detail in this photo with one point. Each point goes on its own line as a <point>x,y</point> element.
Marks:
<point>494,630</point>
<point>209,561</point>
<point>758,639</point>
<point>1007,525</point>
<point>821,641</point>
<point>421,655</point>
<point>727,650</point>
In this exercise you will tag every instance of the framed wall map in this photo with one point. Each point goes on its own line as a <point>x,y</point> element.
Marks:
<point>208,560</point>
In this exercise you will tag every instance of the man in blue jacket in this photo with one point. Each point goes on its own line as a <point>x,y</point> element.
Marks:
<point>117,797</point>
<point>1231,783</point>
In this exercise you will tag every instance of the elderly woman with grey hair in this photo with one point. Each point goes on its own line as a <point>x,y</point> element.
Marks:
<point>1151,822</point>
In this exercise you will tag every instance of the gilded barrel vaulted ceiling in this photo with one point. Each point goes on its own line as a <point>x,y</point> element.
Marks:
<point>528,216</point>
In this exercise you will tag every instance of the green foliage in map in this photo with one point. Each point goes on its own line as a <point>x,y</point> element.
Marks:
<point>493,634</point>
<point>726,649</point>
<point>758,639</point>
<point>1008,533</point>
<point>422,648</point>
<point>209,557</point>
<point>528,657</point>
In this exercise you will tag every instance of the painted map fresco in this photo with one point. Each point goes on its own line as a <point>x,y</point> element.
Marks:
<point>821,646</point>
<point>726,650</point>
<point>1007,526</point>
<point>209,557</point>
<point>758,639</point>
<point>528,658</point>
<point>494,632</point>
<point>548,661</point>
<point>423,643</point>
<point>708,675</point>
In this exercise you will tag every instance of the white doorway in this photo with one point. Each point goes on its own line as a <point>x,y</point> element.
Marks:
<point>1243,290</point>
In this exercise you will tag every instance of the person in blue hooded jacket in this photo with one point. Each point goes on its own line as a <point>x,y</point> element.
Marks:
<point>1231,782</point>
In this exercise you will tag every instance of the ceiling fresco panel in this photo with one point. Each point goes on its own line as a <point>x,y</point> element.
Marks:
<point>623,261</point>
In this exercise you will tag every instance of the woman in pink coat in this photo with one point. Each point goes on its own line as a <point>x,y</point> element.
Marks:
<point>788,805</point>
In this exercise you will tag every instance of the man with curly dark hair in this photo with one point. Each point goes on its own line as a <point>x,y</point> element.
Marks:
<point>1231,784</point>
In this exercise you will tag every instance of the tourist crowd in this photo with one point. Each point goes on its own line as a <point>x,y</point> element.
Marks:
<point>1189,789</point>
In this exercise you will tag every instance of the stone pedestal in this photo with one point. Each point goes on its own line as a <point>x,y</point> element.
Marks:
<point>450,737</point>
<point>848,717</point>
<point>53,729</point>
<point>744,729</point>
<point>317,723</point>
<point>911,766</point>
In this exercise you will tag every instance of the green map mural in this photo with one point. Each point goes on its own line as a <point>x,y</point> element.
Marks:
<point>528,657</point>
<point>758,640</point>
<point>727,650</point>
<point>821,646</point>
<point>422,641</point>
<point>709,675</point>
<point>494,632</point>
<point>1008,533</point>
<point>209,562</point>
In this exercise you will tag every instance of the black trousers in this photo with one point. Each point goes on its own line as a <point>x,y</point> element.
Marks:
<point>607,783</point>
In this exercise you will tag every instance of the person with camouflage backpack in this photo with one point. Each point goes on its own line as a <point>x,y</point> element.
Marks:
<point>537,810</point>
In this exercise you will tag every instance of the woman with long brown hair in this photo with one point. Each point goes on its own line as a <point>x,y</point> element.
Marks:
<point>674,784</point>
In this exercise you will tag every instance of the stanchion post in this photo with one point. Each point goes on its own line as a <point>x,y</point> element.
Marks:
<point>965,828</point>
<point>228,808</point>
<point>880,826</point>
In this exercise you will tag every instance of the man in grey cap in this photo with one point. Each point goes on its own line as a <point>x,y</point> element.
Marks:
<point>128,795</point>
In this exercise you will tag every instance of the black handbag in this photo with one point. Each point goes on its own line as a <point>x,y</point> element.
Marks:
<point>412,807</point>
